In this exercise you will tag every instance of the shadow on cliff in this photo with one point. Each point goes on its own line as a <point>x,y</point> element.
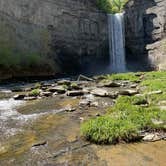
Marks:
<point>139,32</point>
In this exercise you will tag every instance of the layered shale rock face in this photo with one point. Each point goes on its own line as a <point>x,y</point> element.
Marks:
<point>146,31</point>
<point>51,36</point>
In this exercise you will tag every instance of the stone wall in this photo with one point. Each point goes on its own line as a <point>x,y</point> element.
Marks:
<point>146,31</point>
<point>63,34</point>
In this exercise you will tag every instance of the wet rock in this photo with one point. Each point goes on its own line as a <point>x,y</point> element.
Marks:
<point>110,84</point>
<point>46,94</point>
<point>128,92</point>
<point>69,108</point>
<point>133,85</point>
<point>151,137</point>
<point>100,92</point>
<point>40,144</point>
<point>113,95</point>
<point>64,82</point>
<point>30,98</point>
<point>58,89</point>
<point>19,97</point>
<point>98,114</point>
<point>81,119</point>
<point>86,90</point>
<point>84,102</point>
<point>94,104</point>
<point>75,93</point>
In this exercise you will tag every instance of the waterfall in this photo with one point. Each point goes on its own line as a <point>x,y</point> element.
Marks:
<point>116,42</point>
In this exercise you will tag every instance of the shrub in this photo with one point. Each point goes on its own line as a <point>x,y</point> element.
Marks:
<point>112,6</point>
<point>34,92</point>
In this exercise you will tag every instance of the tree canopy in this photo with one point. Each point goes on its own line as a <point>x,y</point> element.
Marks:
<point>112,6</point>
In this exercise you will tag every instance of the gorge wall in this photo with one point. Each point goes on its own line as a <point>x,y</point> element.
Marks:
<point>45,37</point>
<point>146,32</point>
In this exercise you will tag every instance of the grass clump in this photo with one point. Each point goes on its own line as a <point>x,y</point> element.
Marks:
<point>106,130</point>
<point>153,81</point>
<point>123,76</point>
<point>123,122</point>
<point>35,92</point>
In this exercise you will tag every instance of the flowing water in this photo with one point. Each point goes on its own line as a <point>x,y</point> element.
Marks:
<point>116,42</point>
<point>38,133</point>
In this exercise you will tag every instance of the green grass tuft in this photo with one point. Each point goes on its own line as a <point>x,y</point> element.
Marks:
<point>35,92</point>
<point>123,122</point>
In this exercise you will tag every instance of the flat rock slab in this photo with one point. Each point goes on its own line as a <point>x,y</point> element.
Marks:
<point>64,82</point>
<point>128,92</point>
<point>100,92</point>
<point>58,89</point>
<point>75,93</point>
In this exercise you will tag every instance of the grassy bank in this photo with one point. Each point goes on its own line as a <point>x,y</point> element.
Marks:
<point>131,114</point>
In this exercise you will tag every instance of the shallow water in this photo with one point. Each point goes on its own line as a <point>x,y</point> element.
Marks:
<point>39,133</point>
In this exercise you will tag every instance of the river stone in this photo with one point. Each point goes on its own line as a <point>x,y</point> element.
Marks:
<point>133,85</point>
<point>46,94</point>
<point>113,95</point>
<point>75,93</point>
<point>30,98</point>
<point>19,96</point>
<point>155,92</point>
<point>151,137</point>
<point>64,82</point>
<point>84,102</point>
<point>110,84</point>
<point>58,89</point>
<point>100,92</point>
<point>128,92</point>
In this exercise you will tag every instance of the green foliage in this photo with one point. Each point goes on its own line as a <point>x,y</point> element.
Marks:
<point>123,122</point>
<point>106,130</point>
<point>35,92</point>
<point>123,76</point>
<point>112,6</point>
<point>155,75</point>
<point>154,81</point>
<point>8,59</point>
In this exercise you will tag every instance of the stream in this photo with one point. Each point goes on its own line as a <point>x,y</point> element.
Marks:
<point>42,133</point>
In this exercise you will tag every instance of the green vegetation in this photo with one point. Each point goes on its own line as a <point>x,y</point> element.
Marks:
<point>123,76</point>
<point>123,122</point>
<point>153,81</point>
<point>34,92</point>
<point>112,6</point>
<point>130,114</point>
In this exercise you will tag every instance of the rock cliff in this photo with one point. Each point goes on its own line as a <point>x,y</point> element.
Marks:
<point>146,32</point>
<point>45,37</point>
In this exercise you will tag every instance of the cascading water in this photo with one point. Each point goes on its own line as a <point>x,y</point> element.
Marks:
<point>116,42</point>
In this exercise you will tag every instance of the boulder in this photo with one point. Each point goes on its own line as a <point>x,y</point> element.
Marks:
<point>19,96</point>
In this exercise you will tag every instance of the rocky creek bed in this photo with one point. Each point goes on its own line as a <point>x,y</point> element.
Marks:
<point>40,122</point>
